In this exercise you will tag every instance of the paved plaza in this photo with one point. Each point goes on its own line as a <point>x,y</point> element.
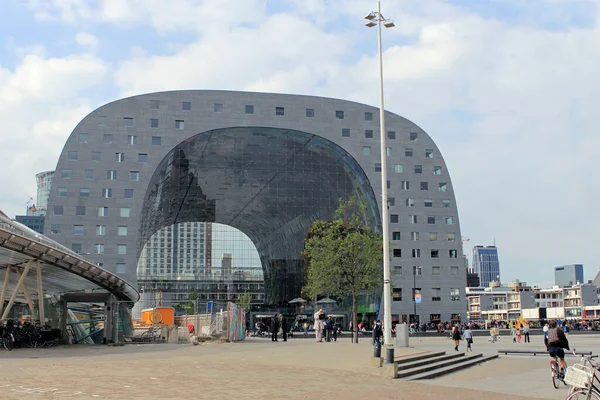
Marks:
<point>258,369</point>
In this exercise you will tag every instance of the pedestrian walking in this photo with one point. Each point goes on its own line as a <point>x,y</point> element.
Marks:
<point>468,336</point>
<point>274,328</point>
<point>318,325</point>
<point>513,333</point>
<point>456,337</point>
<point>526,333</point>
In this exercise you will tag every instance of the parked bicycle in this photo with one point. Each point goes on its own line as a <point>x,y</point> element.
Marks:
<point>28,335</point>
<point>582,378</point>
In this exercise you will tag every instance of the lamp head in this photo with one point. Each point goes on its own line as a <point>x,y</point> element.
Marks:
<point>372,15</point>
<point>389,24</point>
<point>371,24</point>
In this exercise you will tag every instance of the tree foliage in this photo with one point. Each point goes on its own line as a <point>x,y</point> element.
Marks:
<point>343,255</point>
<point>244,301</point>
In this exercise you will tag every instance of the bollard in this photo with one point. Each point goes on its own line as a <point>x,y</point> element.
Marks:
<point>377,350</point>
<point>389,355</point>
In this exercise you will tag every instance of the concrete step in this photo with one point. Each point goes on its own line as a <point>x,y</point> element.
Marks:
<point>416,357</point>
<point>434,364</point>
<point>428,361</point>
<point>461,364</point>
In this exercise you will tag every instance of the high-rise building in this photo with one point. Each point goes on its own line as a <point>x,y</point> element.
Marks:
<point>486,264</point>
<point>44,185</point>
<point>567,275</point>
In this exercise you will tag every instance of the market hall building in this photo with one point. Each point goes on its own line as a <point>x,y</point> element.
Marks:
<point>268,165</point>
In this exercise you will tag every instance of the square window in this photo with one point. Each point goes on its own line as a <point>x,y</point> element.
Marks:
<point>79,210</point>
<point>416,253</point>
<point>451,237</point>
<point>84,192</point>
<point>453,253</point>
<point>107,138</point>
<point>121,268</point>
<point>78,230</point>
<point>99,248</point>
<point>125,212</point>
<point>397,270</point>
<point>111,175</point>
<point>435,254</point>
<point>395,235</point>
<point>186,106</point>
<point>388,151</point>
<point>310,113</point>
<point>397,253</point>
<point>82,138</point>
<point>368,133</point>
<point>134,176</point>
<point>61,192</point>
<point>89,174</point>
<point>428,203</point>
<point>405,185</point>
<point>128,194</point>
<point>101,120</point>
<point>424,185</point>
<point>107,193</point>
<point>76,247</point>
<point>396,294</point>
<point>412,219</point>
<point>418,169</point>
<point>435,270</point>
<point>366,150</point>
<point>122,231</point>
<point>391,134</point>
<point>249,109</point>
<point>121,249</point>
<point>436,295</point>
<point>442,187</point>
<point>394,218</point>
<point>100,230</point>
<point>410,202</point>
<point>153,123</point>
<point>368,116</point>
<point>453,270</point>
<point>428,153</point>
<point>55,228</point>
<point>432,236</point>
<point>414,236</point>
<point>66,173</point>
<point>119,157</point>
<point>218,107</point>
<point>346,132</point>
<point>179,124</point>
<point>73,155</point>
<point>398,168</point>
<point>280,111</point>
<point>142,157</point>
<point>339,114</point>
<point>446,203</point>
<point>128,122</point>
<point>437,170</point>
<point>131,139</point>
<point>377,167</point>
<point>431,220</point>
<point>156,140</point>
<point>154,104</point>
<point>103,211</point>
<point>408,152</point>
<point>414,135</point>
<point>96,156</point>
<point>58,210</point>
<point>449,220</point>
<point>391,201</point>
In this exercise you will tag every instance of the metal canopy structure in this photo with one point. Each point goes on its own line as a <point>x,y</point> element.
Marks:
<point>31,260</point>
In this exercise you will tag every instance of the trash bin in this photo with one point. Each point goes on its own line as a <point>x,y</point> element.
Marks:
<point>402,335</point>
<point>377,350</point>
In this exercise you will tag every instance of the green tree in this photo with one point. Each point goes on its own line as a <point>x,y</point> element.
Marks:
<point>343,256</point>
<point>244,301</point>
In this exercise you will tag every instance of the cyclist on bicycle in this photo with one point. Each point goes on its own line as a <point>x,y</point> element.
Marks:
<point>556,341</point>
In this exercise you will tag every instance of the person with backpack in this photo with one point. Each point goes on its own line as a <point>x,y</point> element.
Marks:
<point>555,342</point>
<point>377,333</point>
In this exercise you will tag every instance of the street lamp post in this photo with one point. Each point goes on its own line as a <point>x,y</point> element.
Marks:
<point>376,19</point>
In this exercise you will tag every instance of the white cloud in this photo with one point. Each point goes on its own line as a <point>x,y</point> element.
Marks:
<point>86,40</point>
<point>512,106</point>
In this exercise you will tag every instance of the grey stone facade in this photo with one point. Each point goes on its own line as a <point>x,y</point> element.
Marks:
<point>422,207</point>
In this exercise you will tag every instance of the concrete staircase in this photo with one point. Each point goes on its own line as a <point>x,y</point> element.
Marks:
<point>433,364</point>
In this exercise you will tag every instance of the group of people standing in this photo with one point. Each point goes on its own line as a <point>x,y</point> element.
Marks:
<point>278,322</point>
<point>325,327</point>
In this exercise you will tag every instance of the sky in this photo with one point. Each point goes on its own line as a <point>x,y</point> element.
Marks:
<point>508,89</point>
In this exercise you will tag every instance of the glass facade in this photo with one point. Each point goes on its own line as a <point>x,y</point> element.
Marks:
<point>268,183</point>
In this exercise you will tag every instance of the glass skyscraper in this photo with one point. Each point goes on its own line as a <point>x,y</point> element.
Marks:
<point>486,264</point>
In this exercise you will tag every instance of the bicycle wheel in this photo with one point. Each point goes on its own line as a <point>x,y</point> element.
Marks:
<point>581,394</point>
<point>555,380</point>
<point>156,317</point>
<point>7,342</point>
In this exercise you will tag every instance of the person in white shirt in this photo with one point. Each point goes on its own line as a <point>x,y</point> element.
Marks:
<point>318,325</point>
<point>468,336</point>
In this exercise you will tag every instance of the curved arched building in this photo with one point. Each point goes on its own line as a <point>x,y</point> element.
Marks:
<point>268,165</point>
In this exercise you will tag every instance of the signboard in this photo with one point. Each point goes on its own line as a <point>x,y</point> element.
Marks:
<point>417,298</point>
<point>209,307</point>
